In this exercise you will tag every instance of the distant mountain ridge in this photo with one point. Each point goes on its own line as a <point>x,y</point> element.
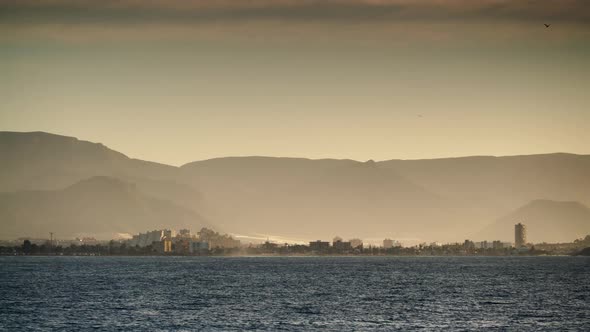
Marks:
<point>432,199</point>
<point>546,221</point>
<point>558,176</point>
<point>99,206</point>
<point>42,161</point>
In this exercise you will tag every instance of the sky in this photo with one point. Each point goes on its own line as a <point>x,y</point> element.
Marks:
<point>178,81</point>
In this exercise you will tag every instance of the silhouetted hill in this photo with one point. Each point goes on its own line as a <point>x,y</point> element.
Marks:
<point>42,161</point>
<point>45,161</point>
<point>99,206</point>
<point>317,198</point>
<point>439,199</point>
<point>546,221</point>
<point>501,182</point>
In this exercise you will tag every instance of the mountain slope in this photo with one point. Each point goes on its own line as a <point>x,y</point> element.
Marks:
<point>43,161</point>
<point>500,183</point>
<point>439,199</point>
<point>428,199</point>
<point>317,198</point>
<point>546,221</point>
<point>99,206</point>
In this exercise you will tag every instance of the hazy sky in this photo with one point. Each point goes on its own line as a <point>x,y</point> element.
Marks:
<point>177,81</point>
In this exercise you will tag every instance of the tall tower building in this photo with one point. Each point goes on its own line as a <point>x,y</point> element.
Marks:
<point>519,235</point>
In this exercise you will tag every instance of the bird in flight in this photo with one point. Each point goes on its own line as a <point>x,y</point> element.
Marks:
<point>547,25</point>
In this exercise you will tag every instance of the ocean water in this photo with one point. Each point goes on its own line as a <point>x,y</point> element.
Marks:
<point>294,293</point>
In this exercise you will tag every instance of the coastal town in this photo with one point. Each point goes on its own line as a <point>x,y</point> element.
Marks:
<point>207,242</point>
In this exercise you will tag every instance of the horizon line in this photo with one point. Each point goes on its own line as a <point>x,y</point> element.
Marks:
<point>294,157</point>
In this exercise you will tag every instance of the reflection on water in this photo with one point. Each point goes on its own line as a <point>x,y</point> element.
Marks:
<point>294,293</point>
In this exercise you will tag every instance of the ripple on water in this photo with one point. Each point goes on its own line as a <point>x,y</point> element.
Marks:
<point>274,293</point>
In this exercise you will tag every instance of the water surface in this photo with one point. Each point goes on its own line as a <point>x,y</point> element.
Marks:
<point>295,293</point>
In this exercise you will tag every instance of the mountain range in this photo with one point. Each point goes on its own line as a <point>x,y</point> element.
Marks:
<point>546,221</point>
<point>69,186</point>
<point>99,206</point>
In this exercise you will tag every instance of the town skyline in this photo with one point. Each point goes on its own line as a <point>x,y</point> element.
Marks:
<point>208,242</point>
<point>152,236</point>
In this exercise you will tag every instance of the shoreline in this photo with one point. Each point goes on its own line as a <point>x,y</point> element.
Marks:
<point>291,256</point>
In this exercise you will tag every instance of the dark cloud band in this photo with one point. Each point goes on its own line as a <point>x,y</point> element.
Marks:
<point>128,11</point>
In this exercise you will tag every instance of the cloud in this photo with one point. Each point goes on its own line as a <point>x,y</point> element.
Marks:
<point>398,22</point>
<point>134,11</point>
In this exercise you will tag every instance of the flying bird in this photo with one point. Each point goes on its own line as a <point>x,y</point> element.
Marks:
<point>547,25</point>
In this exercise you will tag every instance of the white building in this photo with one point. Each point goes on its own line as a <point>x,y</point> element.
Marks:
<point>389,243</point>
<point>519,235</point>
<point>146,239</point>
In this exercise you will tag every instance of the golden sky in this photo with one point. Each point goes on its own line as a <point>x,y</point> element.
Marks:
<point>177,81</point>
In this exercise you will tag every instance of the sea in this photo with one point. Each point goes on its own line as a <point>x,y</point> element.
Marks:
<point>294,293</point>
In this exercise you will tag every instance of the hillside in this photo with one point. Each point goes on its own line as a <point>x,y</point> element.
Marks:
<point>546,221</point>
<point>501,182</point>
<point>99,206</point>
<point>316,198</point>
<point>420,200</point>
<point>43,161</point>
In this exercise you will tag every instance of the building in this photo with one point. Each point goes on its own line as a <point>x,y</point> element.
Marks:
<point>356,243</point>
<point>388,243</point>
<point>341,246</point>
<point>199,247</point>
<point>496,245</point>
<point>182,246</point>
<point>146,239</point>
<point>483,245</point>
<point>167,244</point>
<point>468,245</point>
<point>218,241</point>
<point>224,242</point>
<point>185,233</point>
<point>319,246</point>
<point>269,247</point>
<point>87,241</point>
<point>164,246</point>
<point>519,235</point>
